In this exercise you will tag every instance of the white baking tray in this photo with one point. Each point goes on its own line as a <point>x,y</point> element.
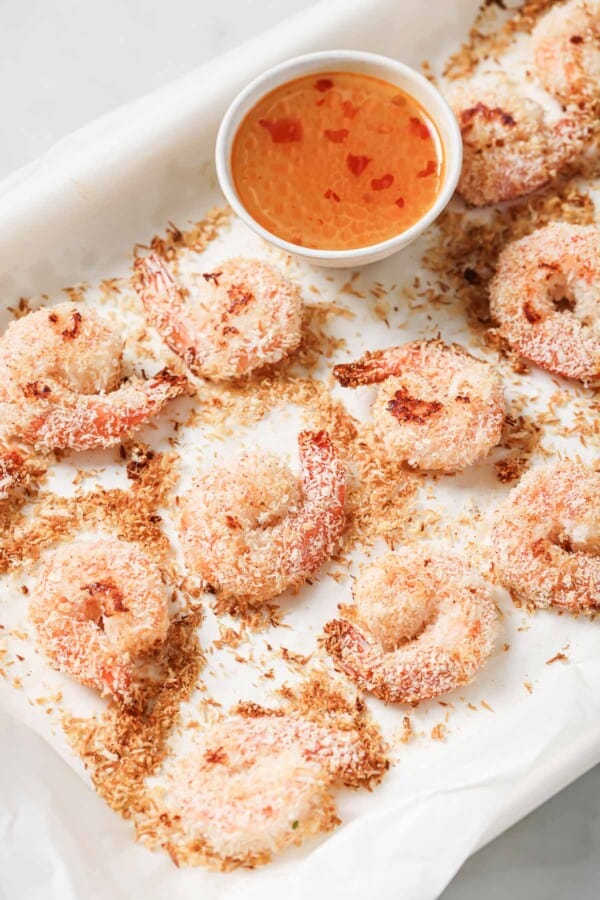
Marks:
<point>74,216</point>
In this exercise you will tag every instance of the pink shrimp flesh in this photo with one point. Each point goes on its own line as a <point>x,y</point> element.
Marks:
<point>253,786</point>
<point>97,607</point>
<point>244,316</point>
<point>421,625</point>
<point>546,537</point>
<point>566,52</point>
<point>509,149</point>
<point>251,530</point>
<point>545,296</point>
<point>60,373</point>
<point>437,407</point>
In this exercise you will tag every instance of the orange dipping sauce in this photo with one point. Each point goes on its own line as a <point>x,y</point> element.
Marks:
<point>337,161</point>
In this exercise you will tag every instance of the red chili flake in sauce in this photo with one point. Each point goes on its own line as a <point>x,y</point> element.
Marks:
<point>331,195</point>
<point>357,164</point>
<point>381,184</point>
<point>419,127</point>
<point>337,137</point>
<point>349,110</point>
<point>429,169</point>
<point>323,84</point>
<point>399,202</point>
<point>283,131</point>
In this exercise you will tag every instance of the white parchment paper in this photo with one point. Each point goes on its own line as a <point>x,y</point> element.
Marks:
<point>75,216</point>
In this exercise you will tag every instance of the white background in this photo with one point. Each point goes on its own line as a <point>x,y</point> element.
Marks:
<point>65,62</point>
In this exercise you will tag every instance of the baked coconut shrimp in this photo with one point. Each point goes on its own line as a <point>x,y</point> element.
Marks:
<point>421,625</point>
<point>546,538</point>
<point>253,786</point>
<point>437,407</point>
<point>509,149</point>
<point>545,296</point>
<point>244,316</point>
<point>252,529</point>
<point>60,382</point>
<point>97,607</point>
<point>566,52</point>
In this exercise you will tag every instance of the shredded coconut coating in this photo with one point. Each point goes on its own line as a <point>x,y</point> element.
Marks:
<point>239,318</point>
<point>253,786</point>
<point>437,407</point>
<point>421,625</point>
<point>545,296</point>
<point>12,470</point>
<point>97,607</point>
<point>546,537</point>
<point>60,373</point>
<point>252,530</point>
<point>509,149</point>
<point>566,52</point>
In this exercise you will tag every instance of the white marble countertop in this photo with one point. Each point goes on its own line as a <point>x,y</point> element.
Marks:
<point>65,62</point>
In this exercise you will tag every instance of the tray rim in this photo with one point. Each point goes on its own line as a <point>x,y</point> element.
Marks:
<point>76,156</point>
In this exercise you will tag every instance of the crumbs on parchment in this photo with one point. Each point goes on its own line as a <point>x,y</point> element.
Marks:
<point>494,28</point>
<point>121,748</point>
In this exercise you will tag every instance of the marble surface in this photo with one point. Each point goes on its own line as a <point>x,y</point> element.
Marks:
<point>65,62</point>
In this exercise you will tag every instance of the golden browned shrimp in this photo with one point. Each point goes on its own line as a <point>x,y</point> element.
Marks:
<point>241,317</point>
<point>97,607</point>
<point>546,537</point>
<point>60,382</point>
<point>251,529</point>
<point>253,786</point>
<point>566,52</point>
<point>437,407</point>
<point>546,298</point>
<point>421,625</point>
<point>509,147</point>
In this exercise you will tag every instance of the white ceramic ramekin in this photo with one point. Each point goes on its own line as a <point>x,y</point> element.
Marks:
<point>407,79</point>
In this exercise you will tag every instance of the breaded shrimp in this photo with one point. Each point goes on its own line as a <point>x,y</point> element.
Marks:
<point>437,407</point>
<point>546,537</point>
<point>253,786</point>
<point>566,52</point>
<point>60,382</point>
<point>545,296</point>
<point>97,607</point>
<point>244,316</point>
<point>421,625</point>
<point>509,148</point>
<point>251,529</point>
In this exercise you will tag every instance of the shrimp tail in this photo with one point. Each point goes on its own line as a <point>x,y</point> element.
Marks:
<point>377,365</point>
<point>156,286</point>
<point>343,642</point>
<point>371,368</point>
<point>163,302</point>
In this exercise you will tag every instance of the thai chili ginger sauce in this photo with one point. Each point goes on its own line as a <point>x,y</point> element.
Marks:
<point>336,161</point>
